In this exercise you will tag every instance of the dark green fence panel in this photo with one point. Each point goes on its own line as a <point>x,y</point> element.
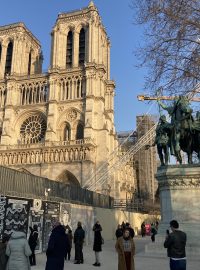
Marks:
<point>20,184</point>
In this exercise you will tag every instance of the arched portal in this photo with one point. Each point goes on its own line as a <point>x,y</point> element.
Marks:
<point>68,178</point>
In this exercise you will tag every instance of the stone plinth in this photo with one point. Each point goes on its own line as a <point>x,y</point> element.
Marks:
<point>179,187</point>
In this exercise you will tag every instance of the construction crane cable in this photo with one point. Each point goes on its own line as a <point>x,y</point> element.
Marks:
<point>112,155</point>
<point>132,151</point>
<point>115,168</point>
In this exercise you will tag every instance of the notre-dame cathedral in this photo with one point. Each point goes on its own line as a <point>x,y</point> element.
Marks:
<point>59,124</point>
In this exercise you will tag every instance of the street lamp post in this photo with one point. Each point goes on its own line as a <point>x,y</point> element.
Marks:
<point>46,193</point>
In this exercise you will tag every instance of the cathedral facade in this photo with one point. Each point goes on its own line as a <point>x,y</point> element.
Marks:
<point>58,124</point>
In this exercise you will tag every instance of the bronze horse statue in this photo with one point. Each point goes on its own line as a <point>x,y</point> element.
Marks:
<point>184,131</point>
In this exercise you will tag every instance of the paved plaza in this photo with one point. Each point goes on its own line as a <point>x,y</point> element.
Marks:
<point>109,259</point>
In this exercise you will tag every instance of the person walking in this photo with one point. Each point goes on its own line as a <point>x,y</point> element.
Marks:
<point>57,248</point>
<point>175,243</point>
<point>3,257</point>
<point>70,238</point>
<point>33,239</point>
<point>126,250</point>
<point>143,229</point>
<point>119,231</point>
<point>97,242</point>
<point>18,251</point>
<point>79,236</point>
<point>153,232</point>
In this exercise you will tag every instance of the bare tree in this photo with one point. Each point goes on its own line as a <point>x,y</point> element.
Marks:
<point>171,47</point>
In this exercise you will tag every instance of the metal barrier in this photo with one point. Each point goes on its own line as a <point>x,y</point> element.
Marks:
<point>20,184</point>
<point>135,206</point>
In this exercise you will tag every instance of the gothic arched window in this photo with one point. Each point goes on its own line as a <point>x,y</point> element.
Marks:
<point>29,64</point>
<point>67,132</point>
<point>0,51</point>
<point>79,132</point>
<point>9,58</point>
<point>69,49</point>
<point>82,47</point>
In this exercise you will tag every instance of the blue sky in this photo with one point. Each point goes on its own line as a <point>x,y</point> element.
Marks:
<point>117,16</point>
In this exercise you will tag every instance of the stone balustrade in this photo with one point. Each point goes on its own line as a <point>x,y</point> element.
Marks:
<point>33,92</point>
<point>47,152</point>
<point>48,144</point>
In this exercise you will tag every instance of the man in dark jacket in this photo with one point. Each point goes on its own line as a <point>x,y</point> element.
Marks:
<point>33,238</point>
<point>175,243</point>
<point>57,248</point>
<point>79,236</point>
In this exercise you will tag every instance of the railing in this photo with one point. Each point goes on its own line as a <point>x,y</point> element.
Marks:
<point>136,205</point>
<point>19,184</point>
<point>47,152</point>
<point>33,92</point>
<point>48,144</point>
<point>71,87</point>
<point>50,155</point>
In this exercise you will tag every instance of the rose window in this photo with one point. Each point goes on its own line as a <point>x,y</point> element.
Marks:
<point>33,129</point>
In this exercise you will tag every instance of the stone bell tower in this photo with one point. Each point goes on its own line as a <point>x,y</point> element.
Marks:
<point>19,51</point>
<point>80,80</point>
<point>59,124</point>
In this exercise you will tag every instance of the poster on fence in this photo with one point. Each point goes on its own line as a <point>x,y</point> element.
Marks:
<point>16,216</point>
<point>2,213</point>
<point>51,215</point>
<point>65,214</point>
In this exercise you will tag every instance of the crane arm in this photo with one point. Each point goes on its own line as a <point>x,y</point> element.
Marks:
<point>143,98</point>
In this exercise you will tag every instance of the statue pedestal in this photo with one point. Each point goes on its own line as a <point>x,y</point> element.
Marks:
<point>179,187</point>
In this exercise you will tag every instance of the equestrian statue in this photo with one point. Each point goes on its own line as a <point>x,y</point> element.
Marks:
<point>182,133</point>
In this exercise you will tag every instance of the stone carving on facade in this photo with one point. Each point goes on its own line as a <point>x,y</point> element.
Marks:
<point>49,127</point>
<point>17,111</point>
<point>87,124</point>
<point>65,154</point>
<point>71,115</point>
<point>178,182</point>
<point>61,108</point>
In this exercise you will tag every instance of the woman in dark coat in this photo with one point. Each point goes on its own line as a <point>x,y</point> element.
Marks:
<point>97,242</point>
<point>57,248</point>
